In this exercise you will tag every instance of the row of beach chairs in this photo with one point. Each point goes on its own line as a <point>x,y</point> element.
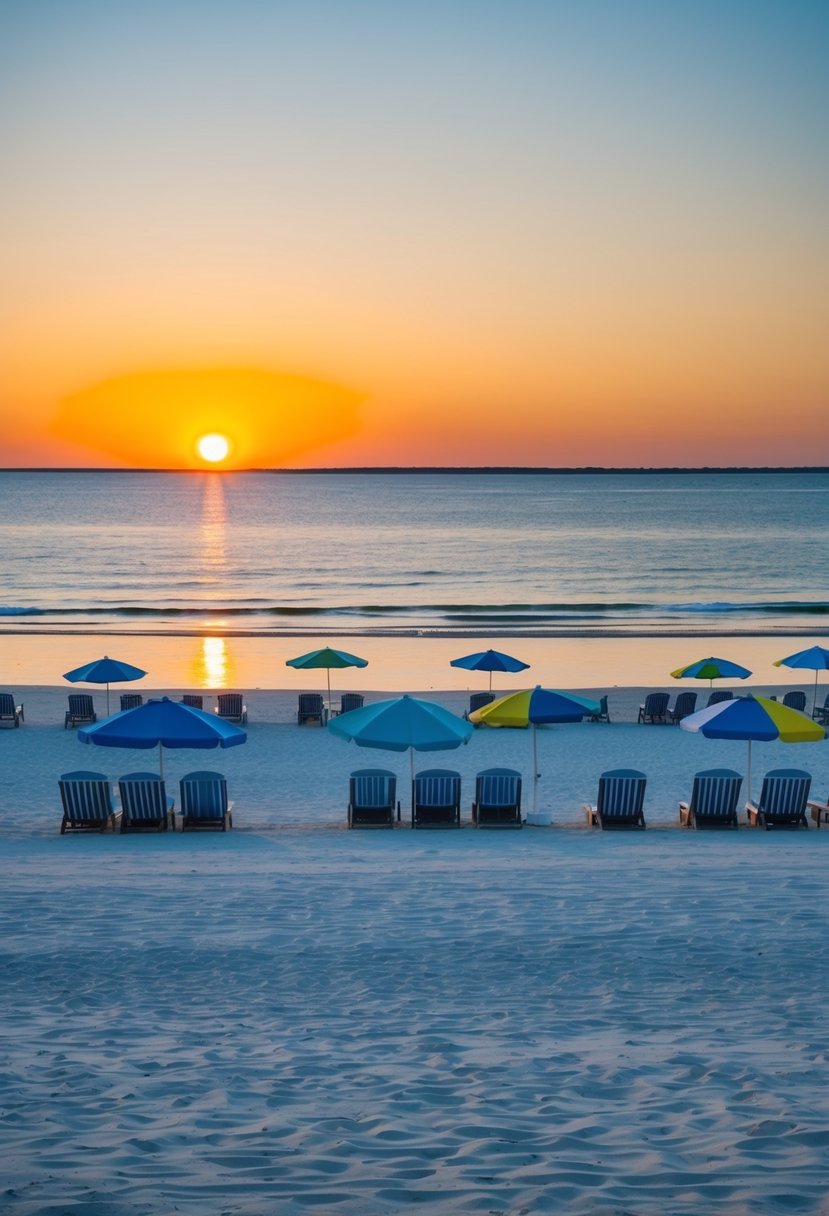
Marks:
<point>656,707</point>
<point>143,802</point>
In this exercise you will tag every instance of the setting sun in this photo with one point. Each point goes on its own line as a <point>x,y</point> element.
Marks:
<point>213,448</point>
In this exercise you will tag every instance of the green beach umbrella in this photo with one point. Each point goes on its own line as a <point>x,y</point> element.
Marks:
<point>711,669</point>
<point>326,658</point>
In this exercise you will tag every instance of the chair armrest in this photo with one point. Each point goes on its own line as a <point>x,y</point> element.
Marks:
<point>591,813</point>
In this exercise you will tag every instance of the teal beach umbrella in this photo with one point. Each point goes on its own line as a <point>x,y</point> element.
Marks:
<point>104,671</point>
<point>815,659</point>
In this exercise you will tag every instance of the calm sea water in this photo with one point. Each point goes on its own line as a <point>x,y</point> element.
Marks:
<point>385,553</point>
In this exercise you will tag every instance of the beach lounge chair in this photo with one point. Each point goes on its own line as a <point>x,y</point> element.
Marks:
<point>819,812</point>
<point>144,803</point>
<point>720,694</point>
<point>477,700</point>
<point>782,801</point>
<point>602,714</point>
<point>684,705</point>
<point>194,700</point>
<point>713,803</point>
<point>80,709</point>
<point>231,707</point>
<point>655,708</point>
<point>620,800</point>
<point>795,700</point>
<point>821,712</point>
<point>372,796</point>
<point>87,802</point>
<point>497,799</point>
<point>9,711</point>
<point>436,799</point>
<point>131,700</point>
<point>311,708</point>
<point>203,802</point>
<point>350,701</point>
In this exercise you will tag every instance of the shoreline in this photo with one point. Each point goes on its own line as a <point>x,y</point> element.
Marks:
<point>612,631</point>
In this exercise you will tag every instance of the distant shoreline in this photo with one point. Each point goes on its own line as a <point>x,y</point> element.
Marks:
<point>487,470</point>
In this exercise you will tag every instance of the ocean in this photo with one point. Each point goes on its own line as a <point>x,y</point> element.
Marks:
<point>410,555</point>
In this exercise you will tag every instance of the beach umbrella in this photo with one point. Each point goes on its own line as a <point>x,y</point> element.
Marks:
<point>489,660</point>
<point>533,708</point>
<point>104,671</point>
<point>815,659</point>
<point>711,670</point>
<point>327,658</point>
<point>403,724</point>
<point>163,723</point>
<point>751,718</point>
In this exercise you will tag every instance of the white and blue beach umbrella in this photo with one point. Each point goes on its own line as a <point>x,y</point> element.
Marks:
<point>163,723</point>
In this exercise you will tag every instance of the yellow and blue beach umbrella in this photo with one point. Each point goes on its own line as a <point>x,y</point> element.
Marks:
<point>104,671</point>
<point>532,708</point>
<point>326,658</point>
<point>489,660</point>
<point>711,669</point>
<point>815,659</point>
<point>753,717</point>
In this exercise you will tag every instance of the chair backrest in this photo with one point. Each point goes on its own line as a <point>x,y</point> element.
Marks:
<point>784,792</point>
<point>131,700</point>
<point>795,700</point>
<point>86,796</point>
<point>351,700</point>
<point>194,700</point>
<point>80,705</point>
<point>621,793</point>
<point>715,793</point>
<point>656,703</point>
<point>230,704</point>
<point>478,699</point>
<point>7,705</point>
<point>373,788</point>
<point>437,787</point>
<point>203,795</point>
<point>720,694</point>
<point>310,704</point>
<point>498,787</point>
<point>685,704</point>
<point>143,796</point>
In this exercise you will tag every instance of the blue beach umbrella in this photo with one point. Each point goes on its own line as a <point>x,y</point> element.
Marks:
<point>403,724</point>
<point>711,669</point>
<point>535,707</point>
<point>815,659</point>
<point>104,671</point>
<point>163,723</point>
<point>753,717</point>
<point>489,660</point>
<point>326,658</point>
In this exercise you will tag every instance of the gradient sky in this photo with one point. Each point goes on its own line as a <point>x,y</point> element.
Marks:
<point>356,232</point>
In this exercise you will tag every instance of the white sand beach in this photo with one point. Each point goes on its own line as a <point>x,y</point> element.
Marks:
<point>292,1018</point>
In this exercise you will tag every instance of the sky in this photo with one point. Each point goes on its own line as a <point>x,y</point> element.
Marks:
<point>369,232</point>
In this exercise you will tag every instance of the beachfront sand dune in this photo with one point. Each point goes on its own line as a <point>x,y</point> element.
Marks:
<point>293,1018</point>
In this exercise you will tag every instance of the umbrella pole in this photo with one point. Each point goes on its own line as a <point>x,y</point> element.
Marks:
<point>814,703</point>
<point>490,683</point>
<point>328,677</point>
<point>161,761</point>
<point>107,698</point>
<point>749,771</point>
<point>411,779</point>
<point>536,773</point>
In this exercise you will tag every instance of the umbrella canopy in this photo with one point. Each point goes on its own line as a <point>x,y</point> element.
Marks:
<point>403,724</point>
<point>163,723</point>
<point>489,660</point>
<point>532,708</point>
<point>104,671</point>
<point>711,669</point>
<point>815,659</point>
<point>327,658</point>
<point>753,718</point>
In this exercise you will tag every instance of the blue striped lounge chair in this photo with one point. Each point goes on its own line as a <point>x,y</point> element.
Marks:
<point>80,709</point>
<point>795,700</point>
<point>782,801</point>
<point>655,708</point>
<point>350,701</point>
<point>685,704</point>
<point>131,700</point>
<point>713,803</point>
<point>620,800</point>
<point>497,799</point>
<point>311,708</point>
<point>144,803</point>
<point>203,802</point>
<point>477,700</point>
<point>87,802</point>
<point>193,699</point>
<point>602,714</point>
<point>9,711</point>
<point>372,796</point>
<point>720,694</point>
<point>232,707</point>
<point>436,799</point>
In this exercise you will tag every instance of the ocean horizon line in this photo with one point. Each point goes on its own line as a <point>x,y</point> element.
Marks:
<point>447,469</point>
